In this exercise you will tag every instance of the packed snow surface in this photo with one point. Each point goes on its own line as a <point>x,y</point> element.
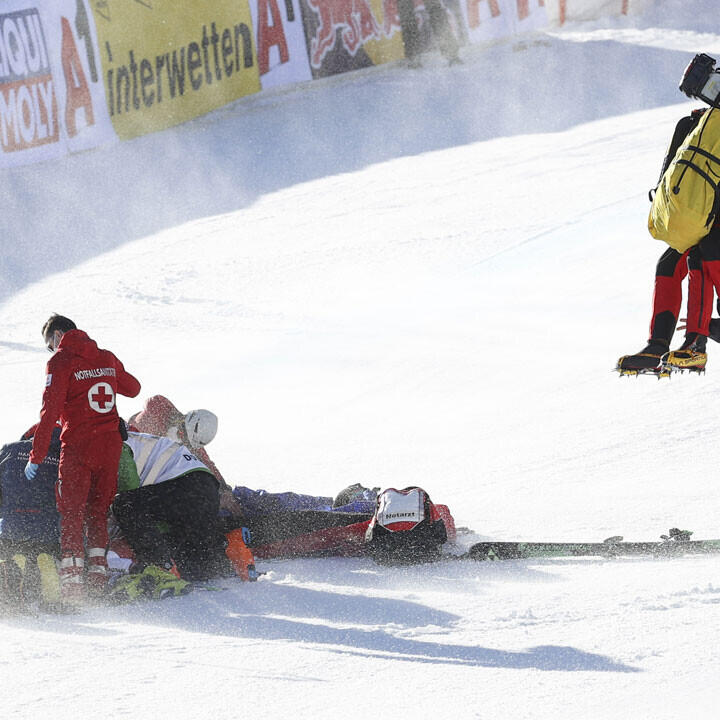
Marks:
<point>395,277</point>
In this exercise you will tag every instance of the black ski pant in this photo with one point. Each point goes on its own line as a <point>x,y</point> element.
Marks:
<point>188,507</point>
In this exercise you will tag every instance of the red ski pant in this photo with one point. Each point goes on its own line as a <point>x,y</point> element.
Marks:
<point>700,294</point>
<point>86,487</point>
<point>671,270</point>
<point>704,263</point>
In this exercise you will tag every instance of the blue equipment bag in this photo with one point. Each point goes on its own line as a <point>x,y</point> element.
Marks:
<point>28,513</point>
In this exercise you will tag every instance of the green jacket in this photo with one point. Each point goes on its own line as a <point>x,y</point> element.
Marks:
<point>128,478</point>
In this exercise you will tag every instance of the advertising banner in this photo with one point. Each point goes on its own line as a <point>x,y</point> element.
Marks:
<point>560,11</point>
<point>280,42</point>
<point>345,35</point>
<point>167,61</point>
<point>51,96</point>
<point>75,74</point>
<point>494,19</point>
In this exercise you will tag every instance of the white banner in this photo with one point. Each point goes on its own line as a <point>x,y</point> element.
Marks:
<point>51,96</point>
<point>493,19</point>
<point>280,42</point>
<point>84,114</point>
<point>561,11</point>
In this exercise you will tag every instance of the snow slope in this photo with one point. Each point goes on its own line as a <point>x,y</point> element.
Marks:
<point>395,277</point>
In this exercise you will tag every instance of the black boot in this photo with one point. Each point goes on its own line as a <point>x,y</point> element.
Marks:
<point>690,355</point>
<point>647,359</point>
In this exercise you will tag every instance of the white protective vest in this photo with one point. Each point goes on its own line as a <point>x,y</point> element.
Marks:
<point>159,458</point>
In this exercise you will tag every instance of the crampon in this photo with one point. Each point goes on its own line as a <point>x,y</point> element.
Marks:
<point>684,361</point>
<point>690,356</point>
<point>659,371</point>
<point>647,362</point>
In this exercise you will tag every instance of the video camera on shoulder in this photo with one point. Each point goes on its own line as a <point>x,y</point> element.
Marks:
<point>701,80</point>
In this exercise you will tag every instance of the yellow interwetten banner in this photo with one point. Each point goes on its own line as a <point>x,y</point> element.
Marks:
<point>167,61</point>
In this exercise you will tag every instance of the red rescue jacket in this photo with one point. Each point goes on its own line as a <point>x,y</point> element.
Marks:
<point>80,388</point>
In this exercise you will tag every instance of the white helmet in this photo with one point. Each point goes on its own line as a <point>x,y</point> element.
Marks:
<point>201,427</point>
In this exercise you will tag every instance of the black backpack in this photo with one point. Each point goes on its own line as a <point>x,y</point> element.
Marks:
<point>683,128</point>
<point>405,529</point>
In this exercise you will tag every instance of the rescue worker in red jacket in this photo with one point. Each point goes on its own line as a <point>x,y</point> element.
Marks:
<point>81,384</point>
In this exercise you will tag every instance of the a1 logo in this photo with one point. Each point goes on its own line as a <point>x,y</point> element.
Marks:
<point>78,95</point>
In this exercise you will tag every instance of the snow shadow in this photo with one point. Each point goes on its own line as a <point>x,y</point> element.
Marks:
<point>274,611</point>
<point>314,616</point>
<point>58,214</point>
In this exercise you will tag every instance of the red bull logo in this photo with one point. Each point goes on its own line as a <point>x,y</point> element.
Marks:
<point>354,18</point>
<point>391,17</point>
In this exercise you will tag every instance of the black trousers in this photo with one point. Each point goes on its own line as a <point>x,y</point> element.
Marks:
<point>189,507</point>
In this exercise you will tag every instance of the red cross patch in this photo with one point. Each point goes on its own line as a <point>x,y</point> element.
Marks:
<point>101,397</point>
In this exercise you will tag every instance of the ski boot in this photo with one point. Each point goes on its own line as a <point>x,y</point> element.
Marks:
<point>646,362</point>
<point>690,355</point>
<point>355,493</point>
<point>96,573</point>
<point>72,580</point>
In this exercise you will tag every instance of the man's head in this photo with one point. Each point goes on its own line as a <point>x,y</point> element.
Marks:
<point>53,330</point>
<point>200,427</point>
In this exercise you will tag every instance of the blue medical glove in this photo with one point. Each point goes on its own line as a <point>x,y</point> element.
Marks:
<point>31,470</point>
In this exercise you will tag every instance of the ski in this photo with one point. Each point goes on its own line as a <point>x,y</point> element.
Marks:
<point>206,585</point>
<point>675,544</point>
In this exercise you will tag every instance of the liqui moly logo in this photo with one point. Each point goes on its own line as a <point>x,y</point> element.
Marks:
<point>355,23</point>
<point>28,108</point>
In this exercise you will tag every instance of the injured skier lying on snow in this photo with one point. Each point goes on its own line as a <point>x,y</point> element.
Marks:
<point>167,516</point>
